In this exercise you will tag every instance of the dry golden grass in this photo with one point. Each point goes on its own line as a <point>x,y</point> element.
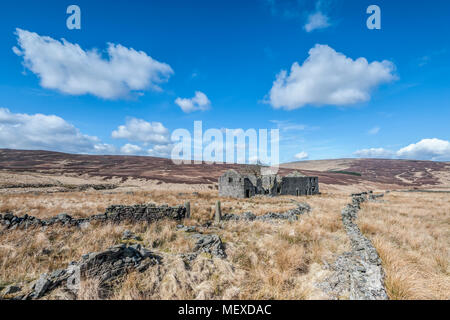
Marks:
<point>266,260</point>
<point>412,235</point>
<point>83,204</point>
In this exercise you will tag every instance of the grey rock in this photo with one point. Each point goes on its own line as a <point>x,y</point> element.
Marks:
<point>84,225</point>
<point>135,247</point>
<point>128,235</point>
<point>211,244</point>
<point>189,257</point>
<point>188,229</point>
<point>105,266</point>
<point>11,290</point>
<point>41,286</point>
<point>64,217</point>
<point>145,253</point>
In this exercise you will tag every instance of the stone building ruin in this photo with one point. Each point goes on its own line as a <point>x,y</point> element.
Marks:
<point>249,183</point>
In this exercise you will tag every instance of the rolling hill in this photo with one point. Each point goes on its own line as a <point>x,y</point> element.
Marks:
<point>341,172</point>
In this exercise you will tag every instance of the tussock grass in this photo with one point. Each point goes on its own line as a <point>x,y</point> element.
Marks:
<point>265,260</point>
<point>411,232</point>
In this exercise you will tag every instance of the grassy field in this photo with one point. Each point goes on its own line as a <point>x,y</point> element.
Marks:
<point>411,232</point>
<point>265,260</point>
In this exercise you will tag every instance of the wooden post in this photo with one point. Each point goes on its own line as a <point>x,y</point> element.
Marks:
<point>187,205</point>
<point>218,215</point>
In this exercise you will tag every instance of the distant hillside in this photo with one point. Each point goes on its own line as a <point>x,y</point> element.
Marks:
<point>401,172</point>
<point>330,172</point>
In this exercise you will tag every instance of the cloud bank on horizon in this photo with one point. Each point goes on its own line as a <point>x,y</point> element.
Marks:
<point>47,132</point>
<point>426,149</point>
<point>50,132</point>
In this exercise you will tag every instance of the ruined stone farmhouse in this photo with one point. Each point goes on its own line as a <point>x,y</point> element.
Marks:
<point>248,183</point>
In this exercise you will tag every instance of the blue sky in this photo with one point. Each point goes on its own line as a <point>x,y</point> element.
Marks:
<point>397,105</point>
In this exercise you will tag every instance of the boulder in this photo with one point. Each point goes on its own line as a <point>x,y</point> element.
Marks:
<point>211,244</point>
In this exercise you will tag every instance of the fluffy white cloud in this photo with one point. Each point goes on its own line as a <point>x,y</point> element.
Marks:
<point>46,132</point>
<point>302,155</point>
<point>199,102</point>
<point>374,153</point>
<point>138,130</point>
<point>66,67</point>
<point>130,149</point>
<point>328,78</point>
<point>426,149</point>
<point>316,21</point>
<point>153,137</point>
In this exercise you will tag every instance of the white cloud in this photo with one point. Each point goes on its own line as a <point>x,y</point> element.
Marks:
<point>46,132</point>
<point>426,149</point>
<point>316,21</point>
<point>130,149</point>
<point>284,125</point>
<point>199,102</point>
<point>374,153</point>
<point>153,137</point>
<point>328,78</point>
<point>138,130</point>
<point>68,68</point>
<point>163,150</point>
<point>374,130</point>
<point>302,155</point>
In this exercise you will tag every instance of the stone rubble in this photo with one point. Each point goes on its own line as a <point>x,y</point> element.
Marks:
<point>291,215</point>
<point>206,243</point>
<point>209,243</point>
<point>358,274</point>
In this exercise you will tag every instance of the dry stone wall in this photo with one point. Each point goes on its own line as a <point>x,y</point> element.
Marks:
<point>115,213</point>
<point>358,274</point>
